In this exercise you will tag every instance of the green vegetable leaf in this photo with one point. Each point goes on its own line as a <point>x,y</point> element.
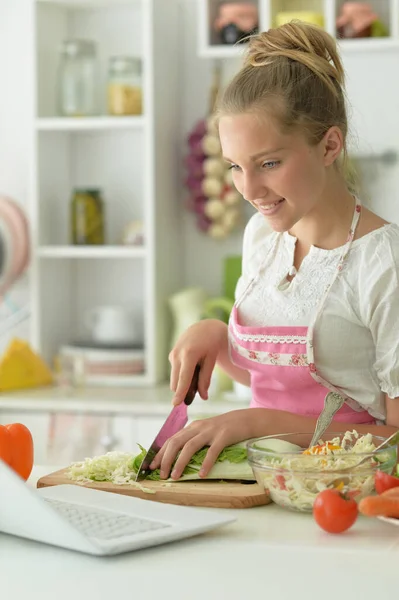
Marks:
<point>232,464</point>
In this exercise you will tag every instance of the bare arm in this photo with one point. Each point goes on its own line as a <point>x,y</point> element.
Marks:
<point>239,425</point>
<point>392,407</point>
<point>270,422</point>
<point>204,343</point>
<point>224,362</point>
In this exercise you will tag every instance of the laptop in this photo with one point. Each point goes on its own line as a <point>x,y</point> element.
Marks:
<point>94,521</point>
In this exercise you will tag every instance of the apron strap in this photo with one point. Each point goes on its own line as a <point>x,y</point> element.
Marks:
<point>311,328</point>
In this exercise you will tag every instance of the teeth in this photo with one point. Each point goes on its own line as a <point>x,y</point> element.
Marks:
<point>268,206</point>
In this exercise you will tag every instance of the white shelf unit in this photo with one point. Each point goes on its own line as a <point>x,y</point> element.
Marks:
<point>103,123</point>
<point>131,159</point>
<point>91,252</point>
<point>209,45</point>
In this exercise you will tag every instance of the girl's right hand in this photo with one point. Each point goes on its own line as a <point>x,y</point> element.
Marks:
<point>200,345</point>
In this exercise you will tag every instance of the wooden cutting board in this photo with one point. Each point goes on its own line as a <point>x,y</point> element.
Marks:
<point>215,494</point>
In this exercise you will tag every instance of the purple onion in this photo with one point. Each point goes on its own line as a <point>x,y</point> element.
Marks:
<point>199,204</point>
<point>195,166</point>
<point>203,223</point>
<point>195,185</point>
<point>196,204</point>
<point>196,148</point>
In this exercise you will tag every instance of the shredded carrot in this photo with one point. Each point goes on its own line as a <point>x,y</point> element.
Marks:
<point>321,449</point>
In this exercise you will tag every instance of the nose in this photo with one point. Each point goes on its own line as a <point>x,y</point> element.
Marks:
<point>253,188</point>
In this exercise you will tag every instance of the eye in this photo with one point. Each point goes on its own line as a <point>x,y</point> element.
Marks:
<point>270,164</point>
<point>234,168</point>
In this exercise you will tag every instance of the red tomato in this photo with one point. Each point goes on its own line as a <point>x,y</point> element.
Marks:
<point>334,512</point>
<point>384,482</point>
<point>281,482</point>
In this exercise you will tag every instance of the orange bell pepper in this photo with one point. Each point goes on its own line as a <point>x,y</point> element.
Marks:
<point>16,448</point>
<point>321,449</point>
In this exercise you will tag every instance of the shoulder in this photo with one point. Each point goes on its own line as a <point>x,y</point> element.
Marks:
<point>378,250</point>
<point>374,267</point>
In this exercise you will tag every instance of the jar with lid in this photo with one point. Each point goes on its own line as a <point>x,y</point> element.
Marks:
<point>87,217</point>
<point>77,77</point>
<point>125,86</point>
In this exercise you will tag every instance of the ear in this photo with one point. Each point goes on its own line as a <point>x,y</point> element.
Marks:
<point>332,145</point>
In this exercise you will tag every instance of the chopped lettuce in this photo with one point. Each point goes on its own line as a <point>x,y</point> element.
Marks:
<point>114,467</point>
<point>232,463</point>
<point>121,468</point>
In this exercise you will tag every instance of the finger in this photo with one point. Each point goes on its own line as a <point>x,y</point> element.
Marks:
<point>205,375</point>
<point>174,374</point>
<point>185,377</point>
<point>188,451</point>
<point>180,438</point>
<point>172,448</point>
<point>211,456</point>
<point>156,461</point>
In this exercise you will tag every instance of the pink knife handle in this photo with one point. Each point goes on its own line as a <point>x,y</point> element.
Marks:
<point>193,389</point>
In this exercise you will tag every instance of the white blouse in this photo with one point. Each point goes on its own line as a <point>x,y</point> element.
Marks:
<point>356,337</point>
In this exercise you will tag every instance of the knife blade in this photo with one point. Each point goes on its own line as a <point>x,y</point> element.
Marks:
<point>174,423</point>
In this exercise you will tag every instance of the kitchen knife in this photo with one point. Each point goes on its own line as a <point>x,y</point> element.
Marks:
<point>174,423</point>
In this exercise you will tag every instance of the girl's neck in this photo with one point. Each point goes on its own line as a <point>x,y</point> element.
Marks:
<point>328,225</point>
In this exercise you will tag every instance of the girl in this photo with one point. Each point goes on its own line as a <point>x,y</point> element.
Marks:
<point>317,306</point>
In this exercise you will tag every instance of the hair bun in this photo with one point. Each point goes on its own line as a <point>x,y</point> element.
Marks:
<point>301,42</point>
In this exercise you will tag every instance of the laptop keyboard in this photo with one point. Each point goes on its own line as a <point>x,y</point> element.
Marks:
<point>103,524</point>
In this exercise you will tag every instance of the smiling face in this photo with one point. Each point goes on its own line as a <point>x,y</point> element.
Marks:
<point>281,175</point>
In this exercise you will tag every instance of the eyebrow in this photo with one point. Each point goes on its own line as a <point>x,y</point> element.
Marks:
<point>259,154</point>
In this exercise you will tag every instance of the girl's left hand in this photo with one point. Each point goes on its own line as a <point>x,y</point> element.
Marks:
<point>215,432</point>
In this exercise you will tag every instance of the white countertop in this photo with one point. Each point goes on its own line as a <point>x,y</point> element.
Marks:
<point>268,553</point>
<point>131,401</point>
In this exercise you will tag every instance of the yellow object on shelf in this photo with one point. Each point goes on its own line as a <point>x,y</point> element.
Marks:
<point>21,368</point>
<point>300,15</point>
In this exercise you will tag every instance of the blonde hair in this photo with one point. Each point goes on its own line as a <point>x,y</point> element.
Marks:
<point>295,73</point>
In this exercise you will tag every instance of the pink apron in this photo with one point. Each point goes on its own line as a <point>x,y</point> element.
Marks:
<point>281,362</point>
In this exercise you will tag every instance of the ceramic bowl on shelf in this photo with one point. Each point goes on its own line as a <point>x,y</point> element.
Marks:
<point>294,478</point>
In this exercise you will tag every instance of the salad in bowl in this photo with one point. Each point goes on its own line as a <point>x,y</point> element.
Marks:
<point>294,474</point>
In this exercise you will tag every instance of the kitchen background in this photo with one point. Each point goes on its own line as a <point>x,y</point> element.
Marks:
<point>101,316</point>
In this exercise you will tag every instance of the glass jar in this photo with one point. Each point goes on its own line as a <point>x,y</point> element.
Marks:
<point>87,217</point>
<point>124,86</point>
<point>77,78</point>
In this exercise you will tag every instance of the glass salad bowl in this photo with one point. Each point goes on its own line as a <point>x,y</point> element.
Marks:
<point>293,475</point>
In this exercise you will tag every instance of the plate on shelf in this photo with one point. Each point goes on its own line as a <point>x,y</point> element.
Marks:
<point>93,345</point>
<point>102,365</point>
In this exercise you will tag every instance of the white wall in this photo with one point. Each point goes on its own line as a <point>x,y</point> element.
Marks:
<point>373,92</point>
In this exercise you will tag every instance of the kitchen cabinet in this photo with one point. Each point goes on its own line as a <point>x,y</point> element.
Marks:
<point>209,45</point>
<point>61,437</point>
<point>74,423</point>
<point>130,158</point>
